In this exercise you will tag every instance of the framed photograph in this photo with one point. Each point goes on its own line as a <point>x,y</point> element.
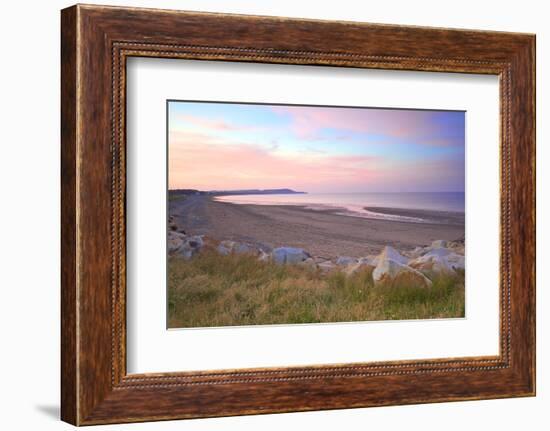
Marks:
<point>263,214</point>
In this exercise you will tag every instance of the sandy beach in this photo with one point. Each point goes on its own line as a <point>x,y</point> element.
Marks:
<point>324,233</point>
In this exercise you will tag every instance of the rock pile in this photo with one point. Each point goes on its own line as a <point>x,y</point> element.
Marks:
<point>414,266</point>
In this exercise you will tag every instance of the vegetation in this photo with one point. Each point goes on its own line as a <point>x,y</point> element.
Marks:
<point>215,290</point>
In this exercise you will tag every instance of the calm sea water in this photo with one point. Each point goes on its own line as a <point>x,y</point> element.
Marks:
<point>355,203</point>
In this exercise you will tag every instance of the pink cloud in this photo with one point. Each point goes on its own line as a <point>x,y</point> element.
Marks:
<point>207,123</point>
<point>307,122</point>
<point>203,162</point>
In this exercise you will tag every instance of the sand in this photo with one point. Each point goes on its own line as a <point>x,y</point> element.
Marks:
<point>323,233</point>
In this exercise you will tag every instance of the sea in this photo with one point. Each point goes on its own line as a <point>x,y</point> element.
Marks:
<point>356,204</point>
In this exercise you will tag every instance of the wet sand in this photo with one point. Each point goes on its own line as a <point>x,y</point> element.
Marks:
<point>323,233</point>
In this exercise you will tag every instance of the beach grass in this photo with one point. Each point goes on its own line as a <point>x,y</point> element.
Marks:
<point>236,290</point>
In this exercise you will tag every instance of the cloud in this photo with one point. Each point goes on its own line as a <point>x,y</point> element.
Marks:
<point>211,124</point>
<point>204,162</point>
<point>437,128</point>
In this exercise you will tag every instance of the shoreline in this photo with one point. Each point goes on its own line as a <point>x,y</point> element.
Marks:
<point>408,215</point>
<point>324,232</point>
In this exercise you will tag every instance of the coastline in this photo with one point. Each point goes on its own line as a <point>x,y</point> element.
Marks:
<point>324,232</point>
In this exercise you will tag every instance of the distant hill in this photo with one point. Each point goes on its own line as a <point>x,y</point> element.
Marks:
<point>236,192</point>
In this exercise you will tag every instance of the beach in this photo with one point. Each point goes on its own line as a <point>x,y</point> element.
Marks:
<point>324,233</point>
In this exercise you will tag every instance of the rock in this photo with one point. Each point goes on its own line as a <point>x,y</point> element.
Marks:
<point>440,252</point>
<point>241,248</point>
<point>390,253</point>
<point>368,260</point>
<point>362,263</point>
<point>439,260</point>
<point>309,263</point>
<point>174,241</point>
<point>389,270</point>
<point>431,263</point>
<point>289,255</point>
<point>190,246</point>
<point>345,260</point>
<point>227,247</point>
<point>417,252</point>
<point>457,247</point>
<point>326,265</point>
<point>440,243</point>
<point>456,261</point>
<point>177,234</point>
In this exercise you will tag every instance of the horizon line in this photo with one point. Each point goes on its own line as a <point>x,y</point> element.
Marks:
<point>302,191</point>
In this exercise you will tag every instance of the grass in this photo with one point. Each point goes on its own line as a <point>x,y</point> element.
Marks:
<point>215,290</point>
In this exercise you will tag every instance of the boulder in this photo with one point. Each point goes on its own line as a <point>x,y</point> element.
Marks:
<point>326,265</point>
<point>431,263</point>
<point>389,270</point>
<point>368,260</point>
<point>417,252</point>
<point>190,246</point>
<point>390,253</point>
<point>440,243</point>
<point>362,263</point>
<point>457,247</point>
<point>241,248</point>
<point>289,255</point>
<point>345,260</point>
<point>309,263</point>
<point>174,241</point>
<point>439,260</point>
<point>227,247</point>
<point>456,261</point>
<point>440,252</point>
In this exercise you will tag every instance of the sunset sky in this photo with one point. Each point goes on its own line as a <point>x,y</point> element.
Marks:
<point>219,146</point>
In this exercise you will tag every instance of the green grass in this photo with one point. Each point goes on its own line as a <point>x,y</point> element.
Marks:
<point>214,290</point>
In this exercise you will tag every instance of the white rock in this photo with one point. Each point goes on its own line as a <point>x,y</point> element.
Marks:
<point>389,270</point>
<point>440,243</point>
<point>308,263</point>
<point>431,263</point>
<point>390,253</point>
<point>227,247</point>
<point>326,266</point>
<point>177,234</point>
<point>345,260</point>
<point>174,243</point>
<point>289,255</point>
<point>368,260</point>
<point>241,248</point>
<point>440,252</point>
<point>438,260</point>
<point>417,252</point>
<point>190,246</point>
<point>362,263</point>
<point>456,261</point>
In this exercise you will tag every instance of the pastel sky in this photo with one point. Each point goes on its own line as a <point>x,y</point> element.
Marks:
<point>222,146</point>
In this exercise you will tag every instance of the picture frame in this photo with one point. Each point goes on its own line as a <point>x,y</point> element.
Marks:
<point>96,42</point>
